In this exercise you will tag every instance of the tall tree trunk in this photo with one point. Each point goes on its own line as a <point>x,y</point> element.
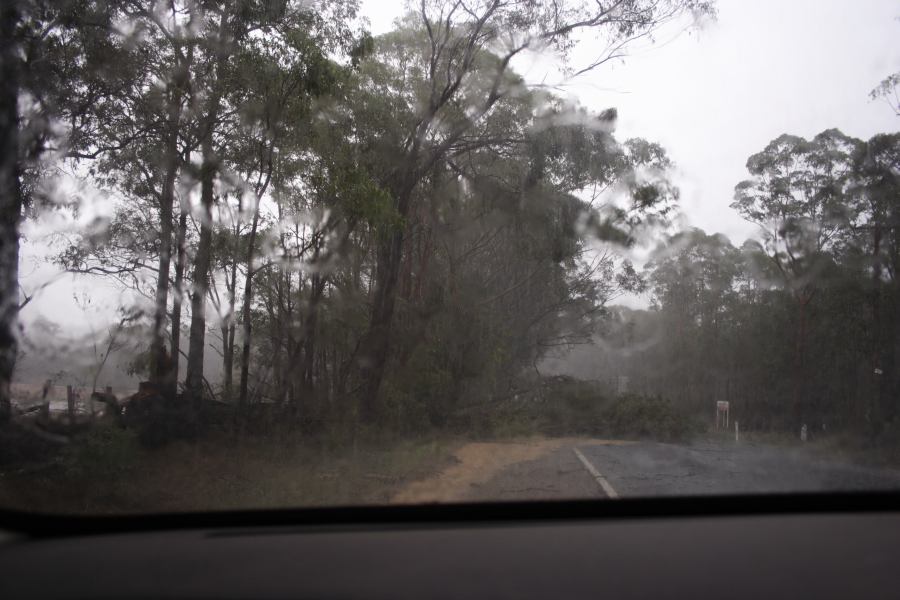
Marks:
<point>162,371</point>
<point>10,202</point>
<point>161,366</point>
<point>245,316</point>
<point>227,361</point>
<point>193,384</point>
<point>200,279</point>
<point>376,344</point>
<point>178,299</point>
<point>310,323</point>
<point>800,400</point>
<point>277,337</point>
<point>877,367</point>
<point>228,329</point>
<point>262,185</point>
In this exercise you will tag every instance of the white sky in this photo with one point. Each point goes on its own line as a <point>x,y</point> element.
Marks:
<point>711,98</point>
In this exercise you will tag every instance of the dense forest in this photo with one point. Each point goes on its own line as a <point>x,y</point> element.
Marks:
<point>395,231</point>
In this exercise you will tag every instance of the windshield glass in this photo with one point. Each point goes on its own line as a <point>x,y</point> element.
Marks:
<point>269,254</point>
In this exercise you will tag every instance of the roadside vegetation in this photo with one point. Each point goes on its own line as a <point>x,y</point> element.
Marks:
<point>108,471</point>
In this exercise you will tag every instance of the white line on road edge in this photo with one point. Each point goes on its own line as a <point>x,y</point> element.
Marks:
<point>600,479</point>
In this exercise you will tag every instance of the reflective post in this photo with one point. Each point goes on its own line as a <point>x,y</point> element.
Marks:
<point>70,401</point>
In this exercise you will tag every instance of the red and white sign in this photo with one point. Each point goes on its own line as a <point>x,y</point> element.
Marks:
<point>722,413</point>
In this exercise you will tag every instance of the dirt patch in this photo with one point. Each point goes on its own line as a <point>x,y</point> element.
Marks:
<point>478,462</point>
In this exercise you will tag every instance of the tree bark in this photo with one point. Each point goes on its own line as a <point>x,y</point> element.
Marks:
<point>162,371</point>
<point>877,367</point>
<point>376,344</point>
<point>800,400</point>
<point>193,384</point>
<point>200,279</point>
<point>10,202</point>
<point>310,323</point>
<point>227,360</point>
<point>246,313</point>
<point>177,301</point>
<point>228,331</point>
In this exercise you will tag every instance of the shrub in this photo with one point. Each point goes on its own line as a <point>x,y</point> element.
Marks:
<point>646,416</point>
<point>560,406</point>
<point>159,420</point>
<point>104,452</point>
<point>20,446</point>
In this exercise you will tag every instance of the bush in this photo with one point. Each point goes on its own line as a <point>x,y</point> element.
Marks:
<point>569,407</point>
<point>159,420</point>
<point>560,406</point>
<point>565,406</point>
<point>645,416</point>
<point>105,452</point>
<point>19,446</point>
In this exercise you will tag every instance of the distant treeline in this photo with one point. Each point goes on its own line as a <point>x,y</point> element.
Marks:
<point>799,326</point>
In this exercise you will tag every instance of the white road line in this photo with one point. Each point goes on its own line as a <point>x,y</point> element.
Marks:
<point>600,479</point>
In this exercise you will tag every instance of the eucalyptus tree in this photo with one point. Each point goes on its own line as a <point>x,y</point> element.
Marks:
<point>228,29</point>
<point>800,197</point>
<point>49,86</point>
<point>496,250</point>
<point>138,95</point>
<point>693,278</point>
<point>170,36</point>
<point>876,242</point>
<point>280,78</point>
<point>452,67</point>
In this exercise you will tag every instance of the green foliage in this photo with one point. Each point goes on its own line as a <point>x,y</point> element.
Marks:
<point>800,196</point>
<point>648,417</point>
<point>563,406</point>
<point>559,406</point>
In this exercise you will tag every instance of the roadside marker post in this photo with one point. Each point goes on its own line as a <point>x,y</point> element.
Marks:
<point>737,432</point>
<point>70,403</point>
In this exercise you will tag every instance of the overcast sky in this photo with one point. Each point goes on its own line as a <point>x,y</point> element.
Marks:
<point>711,98</point>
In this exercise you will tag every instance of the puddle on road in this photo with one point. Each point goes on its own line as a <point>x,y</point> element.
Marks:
<point>478,462</point>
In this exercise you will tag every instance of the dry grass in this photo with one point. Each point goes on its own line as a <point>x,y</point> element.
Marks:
<point>222,474</point>
<point>853,448</point>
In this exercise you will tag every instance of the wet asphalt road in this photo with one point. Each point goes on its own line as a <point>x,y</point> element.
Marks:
<point>655,469</point>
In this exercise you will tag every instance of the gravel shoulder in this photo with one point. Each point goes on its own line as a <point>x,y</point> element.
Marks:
<point>536,468</point>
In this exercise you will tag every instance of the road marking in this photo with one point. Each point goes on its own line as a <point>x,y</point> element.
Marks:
<point>600,479</point>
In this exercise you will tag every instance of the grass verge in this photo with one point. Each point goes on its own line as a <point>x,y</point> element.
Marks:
<point>108,472</point>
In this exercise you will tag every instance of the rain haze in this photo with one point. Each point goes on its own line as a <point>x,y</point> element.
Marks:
<point>498,250</point>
